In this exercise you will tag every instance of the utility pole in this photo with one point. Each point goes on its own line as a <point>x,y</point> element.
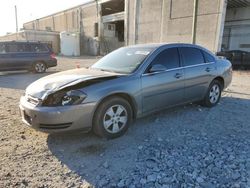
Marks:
<point>16,19</point>
<point>194,25</point>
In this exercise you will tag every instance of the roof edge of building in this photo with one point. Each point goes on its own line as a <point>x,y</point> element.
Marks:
<point>31,31</point>
<point>92,2</point>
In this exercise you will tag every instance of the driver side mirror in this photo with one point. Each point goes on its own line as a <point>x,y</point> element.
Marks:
<point>157,68</point>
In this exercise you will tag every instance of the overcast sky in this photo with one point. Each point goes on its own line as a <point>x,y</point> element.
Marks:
<point>29,10</point>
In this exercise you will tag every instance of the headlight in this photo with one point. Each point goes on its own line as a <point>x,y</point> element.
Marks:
<point>65,98</point>
<point>73,97</point>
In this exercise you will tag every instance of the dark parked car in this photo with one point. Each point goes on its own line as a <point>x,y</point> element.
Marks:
<point>32,56</point>
<point>239,59</point>
<point>128,83</point>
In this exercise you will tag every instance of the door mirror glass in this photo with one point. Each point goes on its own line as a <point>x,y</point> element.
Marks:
<point>157,68</point>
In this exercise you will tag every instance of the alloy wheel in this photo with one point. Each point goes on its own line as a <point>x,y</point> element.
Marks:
<point>40,67</point>
<point>214,93</point>
<point>115,118</point>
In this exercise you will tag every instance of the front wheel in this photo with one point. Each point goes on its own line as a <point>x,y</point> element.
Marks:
<point>39,67</point>
<point>213,94</point>
<point>112,118</point>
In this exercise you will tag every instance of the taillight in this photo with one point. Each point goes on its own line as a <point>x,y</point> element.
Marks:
<point>53,56</point>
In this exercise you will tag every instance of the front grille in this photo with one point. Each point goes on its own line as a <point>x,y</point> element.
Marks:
<point>55,126</point>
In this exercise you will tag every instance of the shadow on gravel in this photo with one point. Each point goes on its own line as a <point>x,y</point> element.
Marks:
<point>238,93</point>
<point>20,79</point>
<point>190,144</point>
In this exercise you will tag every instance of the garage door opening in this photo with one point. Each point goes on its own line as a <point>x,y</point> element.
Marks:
<point>237,26</point>
<point>112,7</point>
<point>113,25</point>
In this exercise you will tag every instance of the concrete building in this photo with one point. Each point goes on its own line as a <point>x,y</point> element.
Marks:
<point>82,19</point>
<point>105,25</point>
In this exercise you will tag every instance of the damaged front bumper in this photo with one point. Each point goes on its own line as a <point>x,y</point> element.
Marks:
<point>57,119</point>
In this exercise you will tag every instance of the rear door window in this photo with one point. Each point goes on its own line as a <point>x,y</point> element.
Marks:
<point>38,48</point>
<point>191,56</point>
<point>208,58</point>
<point>12,48</point>
<point>17,48</point>
<point>22,47</point>
<point>169,58</point>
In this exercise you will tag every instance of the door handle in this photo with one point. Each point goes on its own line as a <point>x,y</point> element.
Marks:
<point>178,75</point>
<point>208,69</point>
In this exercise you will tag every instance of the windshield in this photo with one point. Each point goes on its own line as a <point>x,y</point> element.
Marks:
<point>124,60</point>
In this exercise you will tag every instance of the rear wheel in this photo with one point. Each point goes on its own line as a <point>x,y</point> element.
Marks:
<point>112,118</point>
<point>213,94</point>
<point>39,67</point>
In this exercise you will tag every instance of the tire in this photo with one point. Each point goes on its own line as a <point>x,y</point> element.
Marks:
<point>116,113</point>
<point>213,94</point>
<point>39,67</point>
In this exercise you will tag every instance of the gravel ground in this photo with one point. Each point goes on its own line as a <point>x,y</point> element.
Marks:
<point>188,146</point>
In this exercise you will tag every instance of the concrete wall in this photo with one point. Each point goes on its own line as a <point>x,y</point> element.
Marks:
<point>50,37</point>
<point>89,43</point>
<point>62,21</point>
<point>149,24</point>
<point>171,21</point>
<point>13,36</point>
<point>238,14</point>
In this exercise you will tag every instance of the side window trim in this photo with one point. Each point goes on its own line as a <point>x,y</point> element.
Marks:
<point>204,55</point>
<point>180,58</point>
<point>168,70</point>
<point>204,58</point>
<point>202,64</point>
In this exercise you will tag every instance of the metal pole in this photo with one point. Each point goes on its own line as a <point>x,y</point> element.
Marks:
<point>16,19</point>
<point>162,20</point>
<point>126,23</point>
<point>194,21</point>
<point>136,20</point>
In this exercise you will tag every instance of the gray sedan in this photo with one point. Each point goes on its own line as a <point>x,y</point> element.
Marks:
<point>126,84</point>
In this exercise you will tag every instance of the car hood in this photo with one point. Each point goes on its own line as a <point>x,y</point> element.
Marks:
<point>54,82</point>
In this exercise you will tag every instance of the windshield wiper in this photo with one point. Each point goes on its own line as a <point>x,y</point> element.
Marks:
<point>106,70</point>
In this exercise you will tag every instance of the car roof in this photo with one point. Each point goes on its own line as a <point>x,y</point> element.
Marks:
<point>158,45</point>
<point>155,46</point>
